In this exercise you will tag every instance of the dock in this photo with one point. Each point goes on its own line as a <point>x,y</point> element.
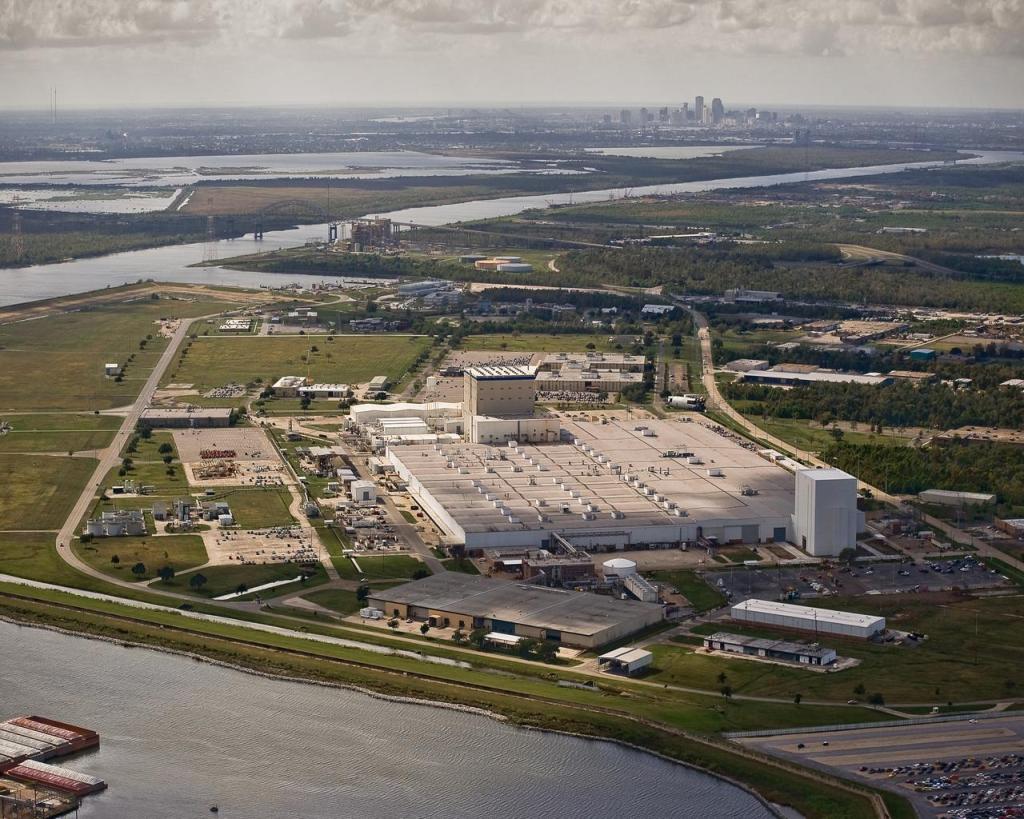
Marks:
<point>28,782</point>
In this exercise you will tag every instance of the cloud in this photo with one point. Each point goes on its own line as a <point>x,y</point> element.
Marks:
<point>795,27</point>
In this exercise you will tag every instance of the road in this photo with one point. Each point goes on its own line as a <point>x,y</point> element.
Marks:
<point>110,458</point>
<point>860,251</point>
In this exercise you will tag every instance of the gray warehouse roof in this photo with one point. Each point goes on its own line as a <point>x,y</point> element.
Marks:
<point>537,606</point>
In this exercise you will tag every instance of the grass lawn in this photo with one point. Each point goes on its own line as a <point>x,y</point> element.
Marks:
<point>226,579</point>
<point>58,432</point>
<point>801,434</point>
<point>951,665</point>
<point>701,596</point>
<point>259,508</point>
<point>546,343</point>
<point>386,567</point>
<point>152,473</point>
<point>464,565</point>
<point>342,601</point>
<point>37,492</point>
<point>77,345</point>
<point>215,361</point>
<point>737,554</point>
<point>180,552</point>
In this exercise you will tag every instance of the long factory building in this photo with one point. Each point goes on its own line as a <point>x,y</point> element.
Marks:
<point>607,487</point>
<point>806,618</point>
<point>467,602</point>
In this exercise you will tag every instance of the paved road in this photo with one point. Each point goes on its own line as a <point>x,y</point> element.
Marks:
<point>860,251</point>
<point>110,457</point>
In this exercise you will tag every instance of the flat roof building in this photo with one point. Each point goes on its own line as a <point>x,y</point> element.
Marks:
<point>789,378</point>
<point>175,418</point>
<point>615,486</point>
<point>628,660</point>
<point>456,600</point>
<point>825,516</point>
<point>784,650</point>
<point>805,618</point>
<point>947,497</point>
<point>620,362</point>
<point>287,386</point>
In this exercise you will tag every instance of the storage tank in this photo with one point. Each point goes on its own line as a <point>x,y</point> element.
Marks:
<point>618,567</point>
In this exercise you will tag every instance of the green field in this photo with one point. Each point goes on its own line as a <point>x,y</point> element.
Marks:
<point>259,508</point>
<point>537,343</point>
<point>56,363</point>
<point>215,361</point>
<point>701,596</point>
<point>180,552</point>
<point>62,441</point>
<point>799,433</point>
<point>37,492</point>
<point>387,567</point>
<point>226,579</point>
<point>342,601</point>
<point>953,664</point>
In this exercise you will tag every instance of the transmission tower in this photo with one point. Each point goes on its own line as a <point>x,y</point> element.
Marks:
<point>210,248</point>
<point>17,239</point>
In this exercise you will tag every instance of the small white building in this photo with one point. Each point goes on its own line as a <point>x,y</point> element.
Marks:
<point>947,497</point>
<point>826,519</point>
<point>287,386</point>
<point>112,368</point>
<point>363,492</point>
<point>628,660</point>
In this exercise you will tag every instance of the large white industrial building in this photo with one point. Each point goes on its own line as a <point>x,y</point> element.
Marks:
<point>617,485</point>
<point>805,618</point>
<point>498,407</point>
<point>825,517</point>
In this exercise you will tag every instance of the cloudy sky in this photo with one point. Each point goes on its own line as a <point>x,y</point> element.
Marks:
<point>441,52</point>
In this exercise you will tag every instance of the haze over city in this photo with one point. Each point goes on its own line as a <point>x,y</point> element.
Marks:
<point>157,53</point>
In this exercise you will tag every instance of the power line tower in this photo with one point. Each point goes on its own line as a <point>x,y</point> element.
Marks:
<point>210,248</point>
<point>17,239</point>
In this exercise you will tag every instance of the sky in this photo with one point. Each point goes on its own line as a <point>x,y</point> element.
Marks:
<point>154,53</point>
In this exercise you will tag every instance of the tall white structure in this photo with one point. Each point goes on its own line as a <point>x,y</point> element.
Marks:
<point>825,520</point>
<point>498,406</point>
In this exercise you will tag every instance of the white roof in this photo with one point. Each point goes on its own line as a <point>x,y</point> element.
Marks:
<point>626,654</point>
<point>501,371</point>
<point>620,563</point>
<point>507,639</point>
<point>846,618</point>
<point>825,475</point>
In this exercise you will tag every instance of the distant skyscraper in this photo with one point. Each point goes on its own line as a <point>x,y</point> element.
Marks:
<point>686,111</point>
<point>644,117</point>
<point>625,116</point>
<point>698,110</point>
<point>717,110</point>
<point>663,114</point>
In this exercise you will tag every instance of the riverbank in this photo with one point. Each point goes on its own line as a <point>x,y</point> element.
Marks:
<point>810,793</point>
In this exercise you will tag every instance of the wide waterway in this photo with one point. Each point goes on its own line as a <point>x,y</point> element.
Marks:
<point>178,736</point>
<point>172,263</point>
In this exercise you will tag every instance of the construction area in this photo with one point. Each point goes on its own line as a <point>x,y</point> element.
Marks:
<point>236,456</point>
<point>963,768</point>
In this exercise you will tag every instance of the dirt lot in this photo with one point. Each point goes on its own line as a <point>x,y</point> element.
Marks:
<point>255,462</point>
<point>274,545</point>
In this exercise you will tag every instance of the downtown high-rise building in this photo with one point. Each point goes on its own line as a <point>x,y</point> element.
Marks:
<point>717,111</point>
<point>698,110</point>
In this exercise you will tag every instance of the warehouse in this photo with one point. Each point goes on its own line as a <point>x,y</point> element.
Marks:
<point>805,618</point>
<point>946,497</point>
<point>783,650</point>
<point>789,378</point>
<point>618,485</point>
<point>468,602</point>
<point>615,362</point>
<point>577,379</point>
<point>186,417</point>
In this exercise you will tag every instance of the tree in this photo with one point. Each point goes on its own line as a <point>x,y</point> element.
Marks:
<point>727,691</point>
<point>420,573</point>
<point>721,678</point>
<point>458,637</point>
<point>362,593</point>
<point>115,559</point>
<point>166,574</point>
<point>165,448</point>
<point>876,699</point>
<point>424,628</point>
<point>393,624</point>
<point>848,555</point>
<point>241,589</point>
<point>476,637</point>
<point>127,463</point>
<point>197,581</point>
<point>167,459</point>
<point>797,698</point>
<point>139,569</point>
<point>859,689</point>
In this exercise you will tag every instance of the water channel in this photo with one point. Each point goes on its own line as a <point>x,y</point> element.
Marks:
<point>178,736</point>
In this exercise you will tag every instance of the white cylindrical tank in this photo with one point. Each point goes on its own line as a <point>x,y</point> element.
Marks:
<point>619,566</point>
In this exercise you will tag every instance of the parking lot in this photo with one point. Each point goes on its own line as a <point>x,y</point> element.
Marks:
<point>968,769</point>
<point>808,582</point>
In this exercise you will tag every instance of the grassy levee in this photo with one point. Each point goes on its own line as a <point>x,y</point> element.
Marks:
<point>529,702</point>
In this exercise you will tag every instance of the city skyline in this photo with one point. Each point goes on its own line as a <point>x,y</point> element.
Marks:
<point>891,53</point>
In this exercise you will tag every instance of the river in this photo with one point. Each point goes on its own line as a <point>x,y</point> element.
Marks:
<point>178,736</point>
<point>172,263</point>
